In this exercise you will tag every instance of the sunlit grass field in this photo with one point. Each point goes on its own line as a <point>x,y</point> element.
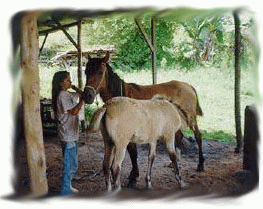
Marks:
<point>215,89</point>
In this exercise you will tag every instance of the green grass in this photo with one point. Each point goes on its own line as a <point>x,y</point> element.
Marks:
<point>215,89</point>
<point>219,135</point>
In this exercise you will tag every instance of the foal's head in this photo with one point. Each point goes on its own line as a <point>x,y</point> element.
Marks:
<point>96,70</point>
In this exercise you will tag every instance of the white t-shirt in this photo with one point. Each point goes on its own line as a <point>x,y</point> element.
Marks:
<point>68,125</point>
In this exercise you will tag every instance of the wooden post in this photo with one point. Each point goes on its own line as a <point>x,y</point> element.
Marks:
<point>249,176</point>
<point>251,139</point>
<point>80,85</point>
<point>237,82</point>
<point>79,56</point>
<point>31,105</point>
<point>153,40</point>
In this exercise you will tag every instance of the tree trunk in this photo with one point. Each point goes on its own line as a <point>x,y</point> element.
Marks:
<point>31,105</point>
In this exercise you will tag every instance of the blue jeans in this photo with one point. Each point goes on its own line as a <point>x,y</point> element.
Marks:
<point>70,166</point>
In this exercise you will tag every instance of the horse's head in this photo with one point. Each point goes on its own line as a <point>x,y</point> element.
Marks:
<point>96,69</point>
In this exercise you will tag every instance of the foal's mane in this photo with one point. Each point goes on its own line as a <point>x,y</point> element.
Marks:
<point>182,112</point>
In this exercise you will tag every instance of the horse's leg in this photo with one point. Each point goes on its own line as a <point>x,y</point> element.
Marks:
<point>116,166</point>
<point>132,150</point>
<point>198,138</point>
<point>173,157</point>
<point>179,139</point>
<point>151,157</point>
<point>107,163</point>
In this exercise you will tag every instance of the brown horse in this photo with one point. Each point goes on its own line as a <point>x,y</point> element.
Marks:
<point>101,79</point>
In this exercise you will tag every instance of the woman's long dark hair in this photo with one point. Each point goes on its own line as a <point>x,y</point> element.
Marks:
<point>58,78</point>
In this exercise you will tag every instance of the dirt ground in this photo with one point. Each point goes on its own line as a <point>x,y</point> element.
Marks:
<point>218,179</point>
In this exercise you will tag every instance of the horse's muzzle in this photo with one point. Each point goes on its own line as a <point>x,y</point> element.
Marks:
<point>89,95</point>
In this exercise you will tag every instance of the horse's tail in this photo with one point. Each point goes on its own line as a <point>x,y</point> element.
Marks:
<point>199,110</point>
<point>96,119</point>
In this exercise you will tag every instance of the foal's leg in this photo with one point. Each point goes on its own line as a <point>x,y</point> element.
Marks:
<point>198,138</point>
<point>152,153</point>
<point>172,155</point>
<point>116,166</point>
<point>107,163</point>
<point>132,150</point>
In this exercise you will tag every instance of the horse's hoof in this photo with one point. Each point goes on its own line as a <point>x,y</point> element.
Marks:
<point>132,183</point>
<point>200,168</point>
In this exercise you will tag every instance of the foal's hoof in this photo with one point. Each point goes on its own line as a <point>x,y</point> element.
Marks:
<point>148,186</point>
<point>116,189</point>
<point>183,185</point>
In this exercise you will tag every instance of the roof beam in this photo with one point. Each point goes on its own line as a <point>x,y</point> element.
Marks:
<point>43,32</point>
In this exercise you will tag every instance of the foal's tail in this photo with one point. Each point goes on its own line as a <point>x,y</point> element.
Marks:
<point>96,119</point>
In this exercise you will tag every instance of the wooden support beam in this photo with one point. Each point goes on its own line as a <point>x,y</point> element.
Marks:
<point>237,82</point>
<point>66,33</point>
<point>31,105</point>
<point>138,23</point>
<point>43,44</point>
<point>77,45</point>
<point>151,44</point>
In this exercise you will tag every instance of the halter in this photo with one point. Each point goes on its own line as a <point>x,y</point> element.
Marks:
<point>95,91</point>
<point>92,88</point>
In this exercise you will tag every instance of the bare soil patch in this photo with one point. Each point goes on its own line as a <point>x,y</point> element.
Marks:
<point>218,179</point>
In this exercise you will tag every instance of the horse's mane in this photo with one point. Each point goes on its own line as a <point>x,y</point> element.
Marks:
<point>136,86</point>
<point>115,83</point>
<point>91,66</point>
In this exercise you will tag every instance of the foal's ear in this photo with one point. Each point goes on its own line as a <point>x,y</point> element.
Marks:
<point>107,57</point>
<point>89,57</point>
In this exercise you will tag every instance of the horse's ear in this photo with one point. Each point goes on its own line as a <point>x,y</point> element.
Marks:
<point>107,57</point>
<point>89,57</point>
